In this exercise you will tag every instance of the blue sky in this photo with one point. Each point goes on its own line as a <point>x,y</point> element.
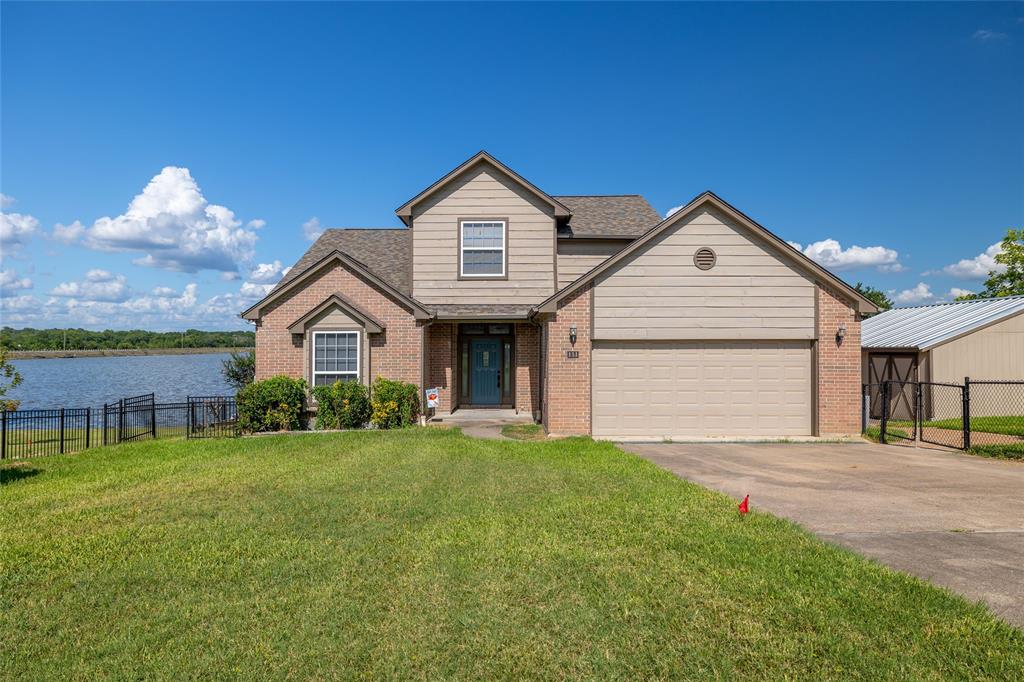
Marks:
<point>891,127</point>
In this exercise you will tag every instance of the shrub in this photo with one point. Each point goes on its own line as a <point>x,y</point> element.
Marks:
<point>275,404</point>
<point>239,370</point>
<point>342,405</point>
<point>395,404</point>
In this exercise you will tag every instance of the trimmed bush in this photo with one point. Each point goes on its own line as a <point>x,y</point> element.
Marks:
<point>395,404</point>
<point>342,405</point>
<point>274,404</point>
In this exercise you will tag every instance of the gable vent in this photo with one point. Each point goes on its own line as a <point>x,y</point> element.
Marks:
<point>705,258</point>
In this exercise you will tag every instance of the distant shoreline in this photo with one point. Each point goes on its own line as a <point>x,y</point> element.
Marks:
<point>114,352</point>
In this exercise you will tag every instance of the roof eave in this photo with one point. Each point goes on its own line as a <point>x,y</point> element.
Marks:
<point>864,305</point>
<point>419,311</point>
<point>404,212</point>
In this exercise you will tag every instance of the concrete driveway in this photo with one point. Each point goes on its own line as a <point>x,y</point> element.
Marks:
<point>953,519</point>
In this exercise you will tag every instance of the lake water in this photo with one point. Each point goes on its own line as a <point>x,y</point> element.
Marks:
<point>91,382</point>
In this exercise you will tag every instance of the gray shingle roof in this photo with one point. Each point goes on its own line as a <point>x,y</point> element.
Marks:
<point>386,252</point>
<point>625,215</point>
<point>928,326</point>
<point>480,310</point>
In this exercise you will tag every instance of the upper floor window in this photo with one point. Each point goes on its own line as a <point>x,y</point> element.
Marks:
<point>482,248</point>
<point>335,357</point>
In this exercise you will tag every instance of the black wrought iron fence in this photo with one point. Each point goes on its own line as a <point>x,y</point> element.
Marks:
<point>981,416</point>
<point>31,433</point>
<point>36,433</point>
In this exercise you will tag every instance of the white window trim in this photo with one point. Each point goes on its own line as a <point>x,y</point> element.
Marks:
<point>312,356</point>
<point>463,248</point>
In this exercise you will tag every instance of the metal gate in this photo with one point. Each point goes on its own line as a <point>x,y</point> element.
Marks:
<point>919,411</point>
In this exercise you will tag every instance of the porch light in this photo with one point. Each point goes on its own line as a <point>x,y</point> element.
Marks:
<point>841,332</point>
<point>572,335</point>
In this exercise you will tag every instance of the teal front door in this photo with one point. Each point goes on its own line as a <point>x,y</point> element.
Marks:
<point>485,372</point>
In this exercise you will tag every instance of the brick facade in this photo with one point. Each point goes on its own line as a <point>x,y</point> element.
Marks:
<point>567,380</point>
<point>441,353</point>
<point>528,369</point>
<point>838,365</point>
<point>393,354</point>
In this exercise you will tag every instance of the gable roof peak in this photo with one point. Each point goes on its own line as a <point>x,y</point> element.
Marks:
<point>405,210</point>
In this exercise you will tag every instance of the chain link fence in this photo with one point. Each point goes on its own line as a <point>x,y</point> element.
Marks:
<point>983,417</point>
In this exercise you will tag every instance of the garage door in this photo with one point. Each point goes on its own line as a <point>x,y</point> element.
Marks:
<point>696,389</point>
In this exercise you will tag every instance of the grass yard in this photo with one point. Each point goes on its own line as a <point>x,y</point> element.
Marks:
<point>1010,425</point>
<point>524,432</point>
<point>426,554</point>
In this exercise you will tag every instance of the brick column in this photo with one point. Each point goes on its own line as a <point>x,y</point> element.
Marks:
<point>838,365</point>
<point>440,344</point>
<point>567,380</point>
<point>527,369</point>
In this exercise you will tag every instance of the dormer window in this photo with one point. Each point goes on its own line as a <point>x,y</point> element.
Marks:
<point>482,248</point>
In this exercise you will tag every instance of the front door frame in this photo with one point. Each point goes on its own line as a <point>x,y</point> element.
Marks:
<point>464,399</point>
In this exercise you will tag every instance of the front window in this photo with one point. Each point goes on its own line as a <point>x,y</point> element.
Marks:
<point>483,248</point>
<point>335,357</point>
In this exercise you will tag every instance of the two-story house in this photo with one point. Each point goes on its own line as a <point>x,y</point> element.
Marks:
<point>591,313</point>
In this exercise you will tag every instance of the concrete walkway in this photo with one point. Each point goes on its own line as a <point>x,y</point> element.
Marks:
<point>950,518</point>
<point>482,423</point>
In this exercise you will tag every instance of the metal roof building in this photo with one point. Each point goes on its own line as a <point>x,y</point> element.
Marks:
<point>981,339</point>
<point>927,326</point>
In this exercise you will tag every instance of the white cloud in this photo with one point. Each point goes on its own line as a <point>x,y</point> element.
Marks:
<point>919,294</point>
<point>16,228</point>
<point>985,35</point>
<point>98,285</point>
<point>957,292</point>
<point>831,254</point>
<point>164,309</point>
<point>265,273</point>
<point>256,224</point>
<point>253,291</point>
<point>230,276</point>
<point>6,200</point>
<point>312,229</point>
<point>674,209</point>
<point>173,224</point>
<point>18,303</point>
<point>68,234</point>
<point>10,282</point>
<point>977,267</point>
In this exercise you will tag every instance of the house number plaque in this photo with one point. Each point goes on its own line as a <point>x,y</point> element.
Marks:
<point>572,354</point>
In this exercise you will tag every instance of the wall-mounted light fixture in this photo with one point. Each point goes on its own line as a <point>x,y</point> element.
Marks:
<point>572,335</point>
<point>841,332</point>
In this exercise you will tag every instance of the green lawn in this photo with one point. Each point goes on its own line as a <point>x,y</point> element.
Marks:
<point>1011,425</point>
<point>523,431</point>
<point>429,555</point>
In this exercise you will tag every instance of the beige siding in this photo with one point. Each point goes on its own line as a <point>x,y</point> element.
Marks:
<point>701,389</point>
<point>995,352</point>
<point>578,257</point>
<point>992,353</point>
<point>658,293</point>
<point>483,192</point>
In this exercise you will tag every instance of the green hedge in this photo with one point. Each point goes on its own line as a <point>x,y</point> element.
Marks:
<point>342,405</point>
<point>275,404</point>
<point>395,404</point>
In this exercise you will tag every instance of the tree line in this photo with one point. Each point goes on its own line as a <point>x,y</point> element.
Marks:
<point>84,339</point>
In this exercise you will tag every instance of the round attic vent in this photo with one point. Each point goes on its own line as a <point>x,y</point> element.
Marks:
<point>705,258</point>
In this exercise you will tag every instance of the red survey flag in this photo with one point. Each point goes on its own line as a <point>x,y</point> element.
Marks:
<point>745,505</point>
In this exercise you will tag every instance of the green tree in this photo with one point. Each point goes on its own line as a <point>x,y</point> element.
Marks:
<point>1009,282</point>
<point>9,378</point>
<point>240,369</point>
<point>876,296</point>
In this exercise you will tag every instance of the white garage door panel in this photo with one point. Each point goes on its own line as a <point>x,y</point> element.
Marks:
<point>694,389</point>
